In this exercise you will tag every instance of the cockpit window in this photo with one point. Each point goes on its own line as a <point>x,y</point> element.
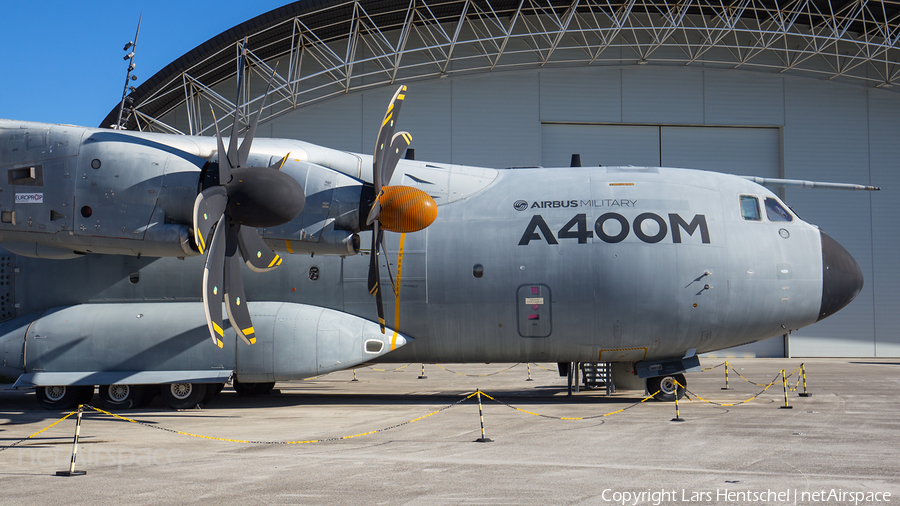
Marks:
<point>776,212</point>
<point>750,208</point>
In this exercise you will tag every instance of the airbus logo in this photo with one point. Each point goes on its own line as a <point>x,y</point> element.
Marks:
<point>522,205</point>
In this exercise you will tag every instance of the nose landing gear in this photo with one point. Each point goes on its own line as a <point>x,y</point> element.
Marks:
<point>665,388</point>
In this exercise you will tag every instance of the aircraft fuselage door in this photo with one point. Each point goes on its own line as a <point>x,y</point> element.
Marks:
<point>533,306</point>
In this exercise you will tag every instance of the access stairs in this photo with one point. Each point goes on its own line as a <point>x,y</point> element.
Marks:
<point>598,375</point>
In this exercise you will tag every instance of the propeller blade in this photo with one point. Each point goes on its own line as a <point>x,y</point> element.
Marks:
<point>387,260</point>
<point>399,142</point>
<point>232,142</point>
<point>383,139</point>
<point>244,150</point>
<point>235,299</point>
<point>375,277</point>
<point>224,165</point>
<point>375,210</point>
<point>209,207</point>
<point>258,255</point>
<point>279,164</point>
<point>213,286</point>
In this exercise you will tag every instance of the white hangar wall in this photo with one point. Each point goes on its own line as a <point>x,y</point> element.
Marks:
<point>733,121</point>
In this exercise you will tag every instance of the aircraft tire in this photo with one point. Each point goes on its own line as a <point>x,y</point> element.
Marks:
<point>666,387</point>
<point>212,390</point>
<point>63,397</point>
<point>122,396</point>
<point>252,389</point>
<point>183,395</point>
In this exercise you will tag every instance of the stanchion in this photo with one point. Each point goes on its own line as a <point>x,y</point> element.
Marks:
<point>677,413</point>
<point>784,384</point>
<point>528,366</point>
<point>482,439</point>
<point>422,376</point>
<point>354,376</point>
<point>726,377</point>
<point>72,471</point>
<point>803,375</point>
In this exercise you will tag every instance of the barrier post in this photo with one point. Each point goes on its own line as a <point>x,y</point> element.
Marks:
<point>422,376</point>
<point>726,377</point>
<point>677,413</point>
<point>482,439</point>
<point>354,376</point>
<point>528,366</point>
<point>784,385</point>
<point>72,471</point>
<point>803,375</point>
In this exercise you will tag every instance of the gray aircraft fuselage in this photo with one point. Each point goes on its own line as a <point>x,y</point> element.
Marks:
<point>611,264</point>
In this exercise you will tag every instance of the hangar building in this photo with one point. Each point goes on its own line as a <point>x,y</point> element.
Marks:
<point>799,89</point>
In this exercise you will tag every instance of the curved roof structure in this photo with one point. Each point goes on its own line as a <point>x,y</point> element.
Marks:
<point>331,47</point>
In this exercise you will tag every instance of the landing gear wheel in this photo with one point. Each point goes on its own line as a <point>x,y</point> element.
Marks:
<point>252,389</point>
<point>183,395</point>
<point>63,397</point>
<point>666,387</point>
<point>212,390</point>
<point>122,396</point>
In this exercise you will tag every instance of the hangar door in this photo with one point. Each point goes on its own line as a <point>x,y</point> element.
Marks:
<point>749,151</point>
<point>733,150</point>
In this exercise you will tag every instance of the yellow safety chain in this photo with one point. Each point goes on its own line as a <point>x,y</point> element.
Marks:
<point>391,370</point>
<point>542,367</point>
<point>38,432</point>
<point>733,403</point>
<point>182,433</point>
<point>713,367</point>
<point>478,375</point>
<point>645,399</point>
<point>755,383</point>
<point>796,386</point>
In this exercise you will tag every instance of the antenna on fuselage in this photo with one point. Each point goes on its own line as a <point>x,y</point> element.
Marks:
<point>576,160</point>
<point>132,45</point>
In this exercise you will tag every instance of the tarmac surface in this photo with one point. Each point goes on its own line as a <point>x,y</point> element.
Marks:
<point>838,446</point>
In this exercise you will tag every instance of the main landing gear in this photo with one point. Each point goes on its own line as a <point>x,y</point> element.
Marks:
<point>122,397</point>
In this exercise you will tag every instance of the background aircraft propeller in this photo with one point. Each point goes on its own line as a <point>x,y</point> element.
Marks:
<point>239,200</point>
<point>396,208</point>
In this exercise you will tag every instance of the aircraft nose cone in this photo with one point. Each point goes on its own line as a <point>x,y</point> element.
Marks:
<point>842,279</point>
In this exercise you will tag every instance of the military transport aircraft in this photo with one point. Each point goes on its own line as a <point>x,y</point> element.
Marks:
<point>121,249</point>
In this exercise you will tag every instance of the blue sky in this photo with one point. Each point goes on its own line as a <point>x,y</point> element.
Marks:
<point>61,61</point>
